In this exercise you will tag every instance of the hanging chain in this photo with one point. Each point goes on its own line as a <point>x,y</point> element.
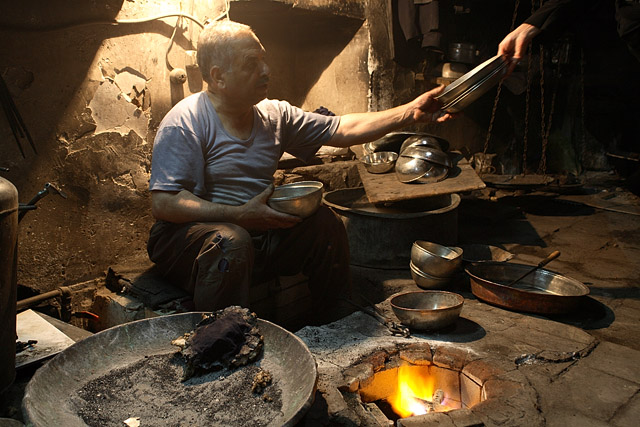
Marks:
<point>497,98</point>
<point>543,154</point>
<point>583,133</point>
<point>525,139</point>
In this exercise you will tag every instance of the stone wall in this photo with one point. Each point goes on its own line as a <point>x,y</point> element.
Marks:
<point>92,95</point>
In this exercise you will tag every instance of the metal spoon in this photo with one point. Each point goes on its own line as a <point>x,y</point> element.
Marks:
<point>553,255</point>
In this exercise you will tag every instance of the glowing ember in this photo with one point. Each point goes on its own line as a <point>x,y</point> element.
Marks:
<point>416,393</point>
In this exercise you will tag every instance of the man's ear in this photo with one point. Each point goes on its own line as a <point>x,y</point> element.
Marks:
<point>217,76</point>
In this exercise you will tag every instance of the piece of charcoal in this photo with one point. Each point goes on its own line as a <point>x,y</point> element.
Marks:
<point>227,338</point>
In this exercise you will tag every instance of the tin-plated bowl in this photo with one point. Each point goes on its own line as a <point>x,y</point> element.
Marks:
<point>427,141</point>
<point>429,154</point>
<point>417,170</point>
<point>379,162</point>
<point>298,198</point>
<point>427,310</point>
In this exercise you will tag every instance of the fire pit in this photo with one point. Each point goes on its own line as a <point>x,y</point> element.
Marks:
<point>119,354</point>
<point>493,367</point>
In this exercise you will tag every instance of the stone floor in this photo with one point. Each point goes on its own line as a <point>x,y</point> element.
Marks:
<point>589,374</point>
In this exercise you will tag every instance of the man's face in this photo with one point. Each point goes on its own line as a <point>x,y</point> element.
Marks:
<point>248,79</point>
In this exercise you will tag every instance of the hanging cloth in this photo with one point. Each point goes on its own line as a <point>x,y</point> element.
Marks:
<point>420,20</point>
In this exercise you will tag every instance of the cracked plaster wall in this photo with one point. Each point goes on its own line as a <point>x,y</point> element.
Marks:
<point>92,97</point>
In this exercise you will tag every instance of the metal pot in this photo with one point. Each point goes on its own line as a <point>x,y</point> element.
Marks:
<point>462,52</point>
<point>8,283</point>
<point>382,236</point>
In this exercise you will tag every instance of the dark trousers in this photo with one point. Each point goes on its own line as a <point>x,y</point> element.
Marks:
<point>217,262</point>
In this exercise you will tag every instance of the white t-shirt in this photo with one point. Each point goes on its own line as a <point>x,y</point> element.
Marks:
<point>192,151</point>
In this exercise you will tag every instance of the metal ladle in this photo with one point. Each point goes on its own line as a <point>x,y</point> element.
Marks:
<point>553,255</point>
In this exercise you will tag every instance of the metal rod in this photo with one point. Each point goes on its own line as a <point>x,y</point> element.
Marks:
<point>38,298</point>
<point>553,255</point>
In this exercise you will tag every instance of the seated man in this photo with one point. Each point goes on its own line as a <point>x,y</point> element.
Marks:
<point>214,158</point>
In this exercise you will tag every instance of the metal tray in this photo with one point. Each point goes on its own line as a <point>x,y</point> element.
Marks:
<point>471,86</point>
<point>47,395</point>
<point>543,291</point>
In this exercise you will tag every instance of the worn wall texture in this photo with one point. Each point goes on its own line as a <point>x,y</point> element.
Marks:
<point>92,94</point>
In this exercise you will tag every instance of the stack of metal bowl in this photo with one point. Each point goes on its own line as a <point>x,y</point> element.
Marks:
<point>423,160</point>
<point>432,265</point>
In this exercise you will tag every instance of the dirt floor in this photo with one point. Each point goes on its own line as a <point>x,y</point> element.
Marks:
<point>595,226</point>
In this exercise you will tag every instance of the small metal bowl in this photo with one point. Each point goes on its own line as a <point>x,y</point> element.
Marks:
<point>298,198</point>
<point>427,281</point>
<point>427,310</point>
<point>416,170</point>
<point>380,162</point>
<point>430,154</point>
<point>434,259</point>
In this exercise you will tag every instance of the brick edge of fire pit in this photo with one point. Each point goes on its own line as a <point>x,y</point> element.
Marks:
<point>523,363</point>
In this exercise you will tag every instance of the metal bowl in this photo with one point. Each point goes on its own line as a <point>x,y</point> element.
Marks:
<point>468,88</point>
<point>380,162</point>
<point>429,154</point>
<point>393,141</point>
<point>434,259</point>
<point>427,281</point>
<point>415,170</point>
<point>543,291</point>
<point>427,141</point>
<point>299,198</point>
<point>427,310</point>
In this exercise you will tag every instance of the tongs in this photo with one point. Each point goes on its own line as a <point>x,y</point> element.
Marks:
<point>396,329</point>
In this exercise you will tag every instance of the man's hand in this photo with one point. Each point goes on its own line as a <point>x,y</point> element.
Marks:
<point>257,215</point>
<point>515,44</point>
<point>426,108</point>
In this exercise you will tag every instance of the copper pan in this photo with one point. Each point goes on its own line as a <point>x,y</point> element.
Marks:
<point>543,291</point>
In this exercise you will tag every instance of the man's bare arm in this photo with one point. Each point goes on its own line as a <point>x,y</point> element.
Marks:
<point>359,128</point>
<point>183,206</point>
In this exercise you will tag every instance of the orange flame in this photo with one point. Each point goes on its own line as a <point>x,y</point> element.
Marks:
<point>413,381</point>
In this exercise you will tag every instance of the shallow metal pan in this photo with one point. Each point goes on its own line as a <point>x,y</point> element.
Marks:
<point>47,395</point>
<point>543,291</point>
<point>471,86</point>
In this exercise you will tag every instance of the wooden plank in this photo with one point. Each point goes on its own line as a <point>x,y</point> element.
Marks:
<point>385,188</point>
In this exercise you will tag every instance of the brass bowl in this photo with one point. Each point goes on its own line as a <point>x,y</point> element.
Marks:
<point>436,260</point>
<point>427,310</point>
<point>298,198</point>
<point>379,162</point>
<point>427,281</point>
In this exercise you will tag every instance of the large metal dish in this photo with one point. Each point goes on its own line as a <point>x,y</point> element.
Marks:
<point>427,310</point>
<point>468,88</point>
<point>47,396</point>
<point>543,291</point>
<point>299,198</point>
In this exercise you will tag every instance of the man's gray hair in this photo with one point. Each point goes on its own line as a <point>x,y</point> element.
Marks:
<point>215,45</point>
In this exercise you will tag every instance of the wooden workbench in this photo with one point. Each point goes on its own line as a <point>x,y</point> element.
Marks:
<point>386,188</point>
